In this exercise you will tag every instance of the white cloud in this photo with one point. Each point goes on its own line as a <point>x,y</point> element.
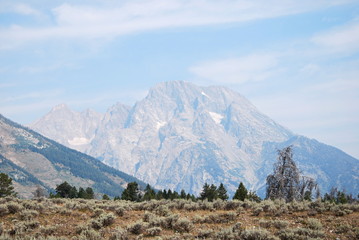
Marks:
<point>255,67</point>
<point>25,9</point>
<point>86,21</point>
<point>341,39</point>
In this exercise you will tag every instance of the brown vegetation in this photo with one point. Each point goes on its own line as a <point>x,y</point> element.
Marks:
<point>176,219</point>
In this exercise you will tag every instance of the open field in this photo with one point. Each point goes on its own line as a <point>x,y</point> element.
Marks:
<point>176,219</point>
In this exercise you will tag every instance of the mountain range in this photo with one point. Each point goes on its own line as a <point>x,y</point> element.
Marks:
<point>32,161</point>
<point>182,135</point>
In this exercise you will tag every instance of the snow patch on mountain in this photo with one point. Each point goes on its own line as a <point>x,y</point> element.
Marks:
<point>77,141</point>
<point>217,118</point>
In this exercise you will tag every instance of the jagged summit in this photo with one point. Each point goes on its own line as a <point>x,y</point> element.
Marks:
<point>182,135</point>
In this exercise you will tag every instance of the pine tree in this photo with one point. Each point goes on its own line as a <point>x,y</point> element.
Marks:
<point>105,197</point>
<point>222,192</point>
<point>209,192</point>
<point>89,193</point>
<point>149,193</point>
<point>183,194</point>
<point>252,196</point>
<point>241,193</point>
<point>165,194</point>
<point>204,193</point>
<point>63,190</point>
<point>82,193</point>
<point>6,188</point>
<point>131,193</point>
<point>159,195</point>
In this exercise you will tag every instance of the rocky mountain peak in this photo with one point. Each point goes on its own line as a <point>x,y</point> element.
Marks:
<point>182,135</point>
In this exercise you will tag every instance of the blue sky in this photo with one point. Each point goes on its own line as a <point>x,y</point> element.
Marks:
<point>297,61</point>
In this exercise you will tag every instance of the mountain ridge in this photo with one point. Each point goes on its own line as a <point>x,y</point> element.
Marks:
<point>182,135</point>
<point>33,160</point>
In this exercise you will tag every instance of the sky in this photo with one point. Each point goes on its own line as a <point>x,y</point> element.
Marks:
<point>296,61</point>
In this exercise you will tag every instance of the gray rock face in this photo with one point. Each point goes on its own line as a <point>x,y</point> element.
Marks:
<point>70,128</point>
<point>182,135</point>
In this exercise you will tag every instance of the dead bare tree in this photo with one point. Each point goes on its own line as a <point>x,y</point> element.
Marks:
<point>286,182</point>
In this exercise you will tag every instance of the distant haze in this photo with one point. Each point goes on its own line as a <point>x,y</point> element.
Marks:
<point>296,61</point>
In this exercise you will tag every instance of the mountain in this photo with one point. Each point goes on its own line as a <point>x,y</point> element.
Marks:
<point>32,160</point>
<point>182,135</point>
<point>78,131</point>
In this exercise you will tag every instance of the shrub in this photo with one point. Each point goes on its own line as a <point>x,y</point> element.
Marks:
<point>3,210</point>
<point>191,206</point>
<point>119,234</point>
<point>257,210</point>
<point>137,228</point>
<point>47,230</point>
<point>120,211</point>
<point>205,233</point>
<point>28,214</point>
<point>299,233</point>
<point>107,219</point>
<point>81,228</point>
<point>312,212</point>
<point>31,224</point>
<point>198,219</point>
<point>90,234</point>
<point>64,211</point>
<point>1,228</point>
<point>237,228</point>
<point>97,212</point>
<point>163,211</point>
<point>342,228</point>
<point>22,227</point>
<point>14,207</point>
<point>265,223</point>
<point>231,205</point>
<point>148,216</point>
<point>183,225</point>
<point>225,234</point>
<point>219,204</point>
<point>33,205</point>
<point>280,224</point>
<point>154,231</point>
<point>355,233</point>
<point>103,220</point>
<point>169,221</point>
<point>257,234</point>
<point>219,218</point>
<point>314,224</point>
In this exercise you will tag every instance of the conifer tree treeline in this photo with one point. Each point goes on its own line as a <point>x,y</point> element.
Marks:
<point>285,183</point>
<point>65,190</point>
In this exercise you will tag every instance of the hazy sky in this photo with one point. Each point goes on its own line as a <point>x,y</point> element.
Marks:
<point>297,61</point>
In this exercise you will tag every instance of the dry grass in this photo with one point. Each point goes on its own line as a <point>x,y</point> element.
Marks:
<point>178,219</point>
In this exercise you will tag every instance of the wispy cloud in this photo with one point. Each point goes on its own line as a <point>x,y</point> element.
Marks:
<point>341,39</point>
<point>84,22</point>
<point>25,9</point>
<point>256,67</point>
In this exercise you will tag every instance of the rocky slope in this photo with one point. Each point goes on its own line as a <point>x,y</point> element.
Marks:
<point>32,160</point>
